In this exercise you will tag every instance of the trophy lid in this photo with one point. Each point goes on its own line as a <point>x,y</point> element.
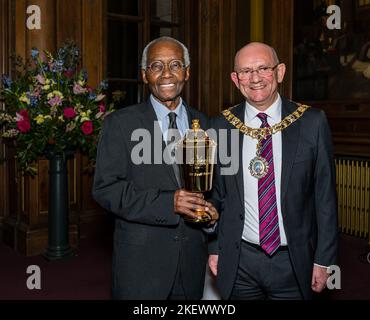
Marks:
<point>195,147</point>
<point>196,134</point>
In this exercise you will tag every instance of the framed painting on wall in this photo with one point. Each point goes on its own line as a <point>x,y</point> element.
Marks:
<point>332,64</point>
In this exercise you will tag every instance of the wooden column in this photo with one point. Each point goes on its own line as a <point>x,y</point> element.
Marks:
<point>257,20</point>
<point>216,49</point>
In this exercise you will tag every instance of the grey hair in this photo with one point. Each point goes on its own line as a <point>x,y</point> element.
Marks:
<point>169,39</point>
<point>274,55</point>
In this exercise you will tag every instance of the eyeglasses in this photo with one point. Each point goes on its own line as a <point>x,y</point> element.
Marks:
<point>261,71</point>
<point>158,66</point>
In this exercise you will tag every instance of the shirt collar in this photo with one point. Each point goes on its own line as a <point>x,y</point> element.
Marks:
<point>162,111</point>
<point>273,112</point>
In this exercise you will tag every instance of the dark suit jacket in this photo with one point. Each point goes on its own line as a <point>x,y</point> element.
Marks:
<point>148,234</point>
<point>308,199</point>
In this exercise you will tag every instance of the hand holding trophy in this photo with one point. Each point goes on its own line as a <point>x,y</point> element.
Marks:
<point>196,152</point>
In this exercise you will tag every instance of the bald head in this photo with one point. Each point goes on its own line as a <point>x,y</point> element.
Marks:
<point>257,74</point>
<point>256,49</point>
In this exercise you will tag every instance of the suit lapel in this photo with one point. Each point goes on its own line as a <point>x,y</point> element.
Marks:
<point>189,113</point>
<point>290,139</point>
<point>239,112</point>
<point>150,121</point>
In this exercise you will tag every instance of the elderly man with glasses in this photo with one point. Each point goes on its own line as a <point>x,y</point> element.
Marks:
<point>277,233</point>
<point>157,255</point>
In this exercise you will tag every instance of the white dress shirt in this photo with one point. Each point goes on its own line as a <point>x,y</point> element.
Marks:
<point>251,220</point>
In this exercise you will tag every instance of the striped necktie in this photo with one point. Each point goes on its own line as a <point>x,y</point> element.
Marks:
<point>268,214</point>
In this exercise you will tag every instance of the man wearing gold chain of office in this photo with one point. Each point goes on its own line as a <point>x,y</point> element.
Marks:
<point>277,233</point>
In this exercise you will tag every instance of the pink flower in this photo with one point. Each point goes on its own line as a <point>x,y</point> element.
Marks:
<point>102,107</point>
<point>77,89</point>
<point>40,79</point>
<point>69,113</point>
<point>37,92</point>
<point>42,56</point>
<point>89,89</point>
<point>55,101</point>
<point>87,127</point>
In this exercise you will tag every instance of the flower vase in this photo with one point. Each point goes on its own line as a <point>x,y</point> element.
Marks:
<point>58,212</point>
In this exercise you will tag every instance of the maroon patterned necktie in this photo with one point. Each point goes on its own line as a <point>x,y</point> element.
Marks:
<point>267,205</point>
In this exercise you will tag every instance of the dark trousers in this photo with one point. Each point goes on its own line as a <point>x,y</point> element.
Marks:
<point>263,277</point>
<point>177,292</point>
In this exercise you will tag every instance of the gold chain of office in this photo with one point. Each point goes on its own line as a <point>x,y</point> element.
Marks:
<point>263,133</point>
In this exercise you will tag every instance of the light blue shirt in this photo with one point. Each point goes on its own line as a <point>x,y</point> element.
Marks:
<point>162,115</point>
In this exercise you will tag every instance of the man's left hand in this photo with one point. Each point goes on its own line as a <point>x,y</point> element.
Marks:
<point>319,278</point>
<point>211,210</point>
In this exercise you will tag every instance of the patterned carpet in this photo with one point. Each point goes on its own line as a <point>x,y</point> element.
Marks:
<point>87,276</point>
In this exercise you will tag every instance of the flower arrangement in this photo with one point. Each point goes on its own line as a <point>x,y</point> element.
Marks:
<point>49,105</point>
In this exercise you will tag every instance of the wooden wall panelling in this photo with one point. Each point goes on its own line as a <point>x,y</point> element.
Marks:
<point>228,39</point>
<point>20,28</point>
<point>45,38</point>
<point>93,51</point>
<point>203,101</point>
<point>5,51</point>
<point>26,225</point>
<point>190,36</point>
<point>69,21</point>
<point>12,183</point>
<point>279,34</point>
<point>349,122</point>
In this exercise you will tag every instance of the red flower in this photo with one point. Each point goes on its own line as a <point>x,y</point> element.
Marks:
<point>69,113</point>
<point>23,122</point>
<point>24,113</point>
<point>89,89</point>
<point>69,73</point>
<point>24,125</point>
<point>102,107</point>
<point>87,127</point>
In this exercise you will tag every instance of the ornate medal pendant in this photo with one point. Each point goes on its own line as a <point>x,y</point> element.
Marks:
<point>258,167</point>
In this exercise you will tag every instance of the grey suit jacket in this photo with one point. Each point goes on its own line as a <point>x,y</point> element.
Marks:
<point>308,199</point>
<point>148,234</point>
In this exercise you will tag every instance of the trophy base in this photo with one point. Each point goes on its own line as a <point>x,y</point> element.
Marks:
<point>202,216</point>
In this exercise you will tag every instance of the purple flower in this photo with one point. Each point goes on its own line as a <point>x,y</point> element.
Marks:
<point>77,89</point>
<point>55,101</point>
